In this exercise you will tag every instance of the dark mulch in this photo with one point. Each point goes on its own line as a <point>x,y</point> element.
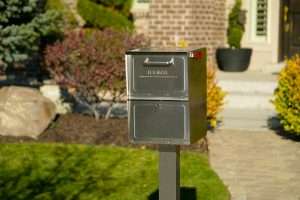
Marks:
<point>84,129</point>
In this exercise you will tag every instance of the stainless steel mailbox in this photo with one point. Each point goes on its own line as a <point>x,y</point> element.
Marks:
<point>166,89</point>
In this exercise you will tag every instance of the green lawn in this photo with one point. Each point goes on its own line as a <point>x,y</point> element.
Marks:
<point>57,171</point>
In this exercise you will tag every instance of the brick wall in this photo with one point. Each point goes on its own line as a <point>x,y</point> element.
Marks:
<point>141,21</point>
<point>194,22</point>
<point>140,12</point>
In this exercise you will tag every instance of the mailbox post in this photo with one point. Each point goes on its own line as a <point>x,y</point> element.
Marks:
<point>166,90</point>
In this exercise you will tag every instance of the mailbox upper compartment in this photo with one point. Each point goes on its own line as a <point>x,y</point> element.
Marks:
<point>158,73</point>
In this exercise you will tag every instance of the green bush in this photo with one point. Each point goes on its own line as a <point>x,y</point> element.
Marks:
<point>123,6</point>
<point>104,13</point>
<point>21,25</point>
<point>68,18</point>
<point>236,23</point>
<point>287,96</point>
<point>235,37</point>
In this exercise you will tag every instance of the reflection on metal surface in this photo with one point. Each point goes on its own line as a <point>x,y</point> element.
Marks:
<point>166,91</point>
<point>158,63</point>
<point>287,28</point>
<point>162,120</point>
<point>160,76</point>
<point>285,19</point>
<point>286,10</point>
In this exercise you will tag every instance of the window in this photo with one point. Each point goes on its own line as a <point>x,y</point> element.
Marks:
<point>140,5</point>
<point>261,17</point>
<point>259,25</point>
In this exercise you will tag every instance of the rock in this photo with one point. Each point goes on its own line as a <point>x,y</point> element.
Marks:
<point>54,93</point>
<point>24,111</point>
<point>109,96</point>
<point>119,110</point>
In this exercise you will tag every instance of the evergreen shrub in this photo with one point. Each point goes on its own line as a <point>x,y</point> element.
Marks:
<point>123,6</point>
<point>236,23</point>
<point>104,13</point>
<point>22,23</point>
<point>287,96</point>
<point>68,18</point>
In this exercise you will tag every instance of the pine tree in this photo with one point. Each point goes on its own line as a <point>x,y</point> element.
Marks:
<point>22,23</point>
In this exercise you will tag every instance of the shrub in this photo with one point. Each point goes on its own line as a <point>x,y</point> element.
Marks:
<point>88,61</point>
<point>104,13</point>
<point>21,25</point>
<point>68,18</point>
<point>236,23</point>
<point>122,6</point>
<point>215,98</point>
<point>287,96</point>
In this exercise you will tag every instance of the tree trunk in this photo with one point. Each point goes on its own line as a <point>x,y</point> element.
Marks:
<point>109,111</point>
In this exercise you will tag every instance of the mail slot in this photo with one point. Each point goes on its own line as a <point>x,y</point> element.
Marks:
<point>166,90</point>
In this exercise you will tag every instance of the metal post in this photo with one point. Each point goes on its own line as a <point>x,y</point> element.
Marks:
<point>169,172</point>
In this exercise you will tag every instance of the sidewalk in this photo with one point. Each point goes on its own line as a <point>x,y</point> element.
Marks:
<point>253,161</point>
<point>256,165</point>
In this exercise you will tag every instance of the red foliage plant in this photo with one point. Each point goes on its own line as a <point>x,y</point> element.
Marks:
<point>88,61</point>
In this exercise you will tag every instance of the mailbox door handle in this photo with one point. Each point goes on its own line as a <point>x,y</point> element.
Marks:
<point>158,63</point>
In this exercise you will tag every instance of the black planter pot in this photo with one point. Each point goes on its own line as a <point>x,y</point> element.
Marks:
<point>233,60</point>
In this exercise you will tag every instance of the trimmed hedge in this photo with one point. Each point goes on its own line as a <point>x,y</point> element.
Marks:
<point>287,96</point>
<point>106,14</point>
<point>235,29</point>
<point>123,6</point>
<point>68,18</point>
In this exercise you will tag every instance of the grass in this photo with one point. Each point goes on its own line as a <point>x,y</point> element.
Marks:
<point>57,171</point>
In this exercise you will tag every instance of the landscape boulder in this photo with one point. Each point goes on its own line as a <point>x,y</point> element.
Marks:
<point>24,111</point>
<point>55,94</point>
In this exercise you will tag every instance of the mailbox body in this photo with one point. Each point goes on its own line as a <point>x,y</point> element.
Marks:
<point>166,90</point>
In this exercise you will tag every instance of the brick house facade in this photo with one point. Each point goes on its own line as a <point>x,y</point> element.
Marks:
<point>204,22</point>
<point>189,22</point>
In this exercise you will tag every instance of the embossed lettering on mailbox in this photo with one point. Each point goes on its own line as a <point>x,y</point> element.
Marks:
<point>159,78</point>
<point>166,95</point>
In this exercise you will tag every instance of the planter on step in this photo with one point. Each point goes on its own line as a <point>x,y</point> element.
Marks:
<point>233,60</point>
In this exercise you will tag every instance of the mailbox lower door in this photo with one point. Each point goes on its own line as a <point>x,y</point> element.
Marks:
<point>158,122</point>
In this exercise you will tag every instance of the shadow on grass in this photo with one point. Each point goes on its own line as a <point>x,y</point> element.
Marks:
<point>186,193</point>
<point>69,176</point>
<point>274,124</point>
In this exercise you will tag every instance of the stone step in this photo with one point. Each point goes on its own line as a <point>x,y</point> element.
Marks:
<point>248,90</point>
<point>248,119</point>
<point>247,104</point>
<point>253,76</point>
<point>250,101</point>
<point>249,87</point>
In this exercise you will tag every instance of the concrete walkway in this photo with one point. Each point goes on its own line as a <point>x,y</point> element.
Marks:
<point>256,165</point>
<point>247,104</point>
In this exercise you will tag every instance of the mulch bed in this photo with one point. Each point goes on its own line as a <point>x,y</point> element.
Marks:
<point>84,129</point>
